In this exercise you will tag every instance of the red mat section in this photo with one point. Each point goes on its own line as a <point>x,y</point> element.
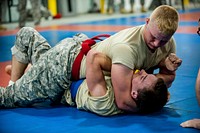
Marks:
<point>4,78</point>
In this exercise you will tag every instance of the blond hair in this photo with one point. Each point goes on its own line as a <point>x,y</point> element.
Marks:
<point>166,19</point>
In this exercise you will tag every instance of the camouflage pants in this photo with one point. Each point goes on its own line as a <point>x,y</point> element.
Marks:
<point>50,74</point>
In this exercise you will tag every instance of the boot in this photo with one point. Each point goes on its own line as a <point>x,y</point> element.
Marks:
<point>143,9</point>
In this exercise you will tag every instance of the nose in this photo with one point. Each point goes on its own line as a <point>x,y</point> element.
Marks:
<point>156,43</point>
<point>143,72</point>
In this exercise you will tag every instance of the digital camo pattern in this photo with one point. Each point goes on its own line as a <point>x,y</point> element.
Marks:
<point>50,74</point>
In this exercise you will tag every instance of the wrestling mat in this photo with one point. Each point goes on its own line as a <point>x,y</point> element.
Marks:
<point>61,119</point>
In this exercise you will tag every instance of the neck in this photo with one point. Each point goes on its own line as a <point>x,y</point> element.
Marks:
<point>129,103</point>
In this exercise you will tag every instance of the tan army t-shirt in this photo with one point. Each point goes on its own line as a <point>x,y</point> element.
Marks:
<point>127,47</point>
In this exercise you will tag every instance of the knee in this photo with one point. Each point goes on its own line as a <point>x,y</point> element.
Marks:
<point>26,30</point>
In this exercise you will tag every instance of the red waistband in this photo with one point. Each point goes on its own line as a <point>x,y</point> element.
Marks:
<point>86,46</point>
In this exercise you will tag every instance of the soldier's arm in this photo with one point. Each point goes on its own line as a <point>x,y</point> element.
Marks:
<point>95,64</point>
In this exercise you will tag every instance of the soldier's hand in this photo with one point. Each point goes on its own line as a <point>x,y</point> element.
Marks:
<point>195,123</point>
<point>172,62</point>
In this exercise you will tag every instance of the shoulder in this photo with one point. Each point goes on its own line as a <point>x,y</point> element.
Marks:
<point>104,105</point>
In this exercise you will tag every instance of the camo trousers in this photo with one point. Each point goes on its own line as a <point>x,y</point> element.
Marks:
<point>23,12</point>
<point>50,74</point>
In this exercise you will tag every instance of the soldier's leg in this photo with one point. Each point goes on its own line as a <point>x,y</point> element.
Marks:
<point>142,2</point>
<point>28,48</point>
<point>26,91</point>
<point>22,12</point>
<point>110,8</point>
<point>17,69</point>
<point>142,6</point>
<point>132,6</point>
<point>36,9</point>
<point>47,79</point>
<point>122,6</point>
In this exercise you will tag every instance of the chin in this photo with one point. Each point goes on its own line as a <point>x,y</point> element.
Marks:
<point>151,49</point>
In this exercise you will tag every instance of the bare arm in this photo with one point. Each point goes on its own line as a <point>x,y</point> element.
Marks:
<point>17,69</point>
<point>195,123</point>
<point>166,75</point>
<point>96,62</point>
<point>168,67</point>
<point>121,81</point>
<point>198,87</point>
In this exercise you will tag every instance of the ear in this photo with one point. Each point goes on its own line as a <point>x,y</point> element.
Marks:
<point>134,94</point>
<point>147,20</point>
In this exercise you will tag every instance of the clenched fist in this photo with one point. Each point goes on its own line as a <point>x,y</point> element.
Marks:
<point>172,62</point>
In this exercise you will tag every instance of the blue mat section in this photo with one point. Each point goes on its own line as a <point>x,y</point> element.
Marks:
<point>62,120</point>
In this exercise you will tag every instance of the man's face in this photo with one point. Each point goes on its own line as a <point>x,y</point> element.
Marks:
<point>153,36</point>
<point>143,80</point>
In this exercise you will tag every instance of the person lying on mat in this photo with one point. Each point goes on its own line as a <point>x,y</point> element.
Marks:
<point>147,94</point>
<point>95,93</point>
<point>141,47</point>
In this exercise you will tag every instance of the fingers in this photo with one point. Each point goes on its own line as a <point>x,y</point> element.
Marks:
<point>191,123</point>
<point>178,61</point>
<point>175,60</point>
<point>186,124</point>
<point>168,96</point>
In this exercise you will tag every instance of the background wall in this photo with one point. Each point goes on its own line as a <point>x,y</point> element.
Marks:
<point>66,7</point>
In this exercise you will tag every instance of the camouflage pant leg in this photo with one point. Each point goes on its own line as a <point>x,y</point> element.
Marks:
<point>142,2</point>
<point>29,46</point>
<point>22,12</point>
<point>47,79</point>
<point>36,10</point>
<point>133,1</point>
<point>111,4</point>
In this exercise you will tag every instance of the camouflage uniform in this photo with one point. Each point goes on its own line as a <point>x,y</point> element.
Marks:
<point>36,4</point>
<point>50,74</point>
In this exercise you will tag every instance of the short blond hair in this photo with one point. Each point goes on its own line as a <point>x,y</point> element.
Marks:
<point>166,19</point>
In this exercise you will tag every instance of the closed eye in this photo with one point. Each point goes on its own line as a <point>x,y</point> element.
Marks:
<point>144,77</point>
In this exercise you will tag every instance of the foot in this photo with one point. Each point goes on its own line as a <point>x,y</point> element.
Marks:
<point>123,11</point>
<point>131,11</point>
<point>8,69</point>
<point>110,11</point>
<point>2,27</point>
<point>37,23</point>
<point>143,9</point>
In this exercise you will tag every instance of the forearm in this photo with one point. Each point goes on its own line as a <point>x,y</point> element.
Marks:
<point>167,67</point>
<point>167,75</point>
<point>17,69</point>
<point>168,79</point>
<point>121,81</point>
<point>96,63</point>
<point>198,87</point>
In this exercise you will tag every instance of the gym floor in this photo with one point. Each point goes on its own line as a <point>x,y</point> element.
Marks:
<point>61,119</point>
